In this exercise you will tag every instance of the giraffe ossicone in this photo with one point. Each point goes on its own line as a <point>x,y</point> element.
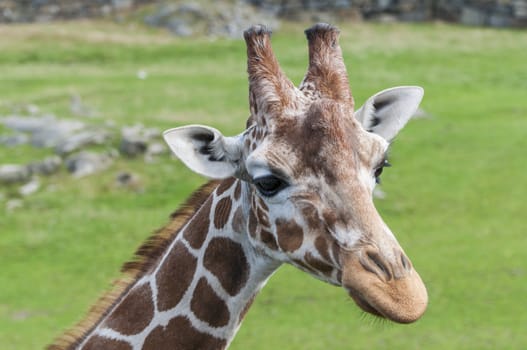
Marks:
<point>294,187</point>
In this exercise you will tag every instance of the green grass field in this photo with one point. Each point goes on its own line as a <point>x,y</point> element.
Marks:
<point>455,196</point>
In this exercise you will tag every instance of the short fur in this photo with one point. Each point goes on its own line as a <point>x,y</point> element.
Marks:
<point>145,257</point>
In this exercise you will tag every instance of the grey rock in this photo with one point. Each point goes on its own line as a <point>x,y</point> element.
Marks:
<point>414,16</point>
<point>10,16</point>
<point>151,133</point>
<point>500,21</point>
<point>217,19</point>
<point>86,163</point>
<point>193,9</point>
<point>140,130</point>
<point>123,178</point>
<point>135,139</point>
<point>154,150</point>
<point>27,124</point>
<point>29,188</point>
<point>13,204</point>
<point>122,4</point>
<point>55,132</point>
<point>14,173</point>
<point>47,166</point>
<point>383,4</point>
<point>520,9</point>
<point>46,131</point>
<point>129,181</point>
<point>81,139</point>
<point>106,10</point>
<point>473,16</point>
<point>161,15</point>
<point>133,146</point>
<point>14,140</point>
<point>179,27</point>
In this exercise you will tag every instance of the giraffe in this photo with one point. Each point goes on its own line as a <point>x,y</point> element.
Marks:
<point>294,187</point>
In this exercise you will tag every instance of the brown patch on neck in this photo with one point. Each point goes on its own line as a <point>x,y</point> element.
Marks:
<point>134,313</point>
<point>145,258</point>
<point>196,233</point>
<point>238,221</point>
<point>208,306</point>
<point>226,260</point>
<point>174,276</point>
<point>225,185</point>
<point>263,219</point>
<point>238,190</point>
<point>222,212</point>
<point>180,334</point>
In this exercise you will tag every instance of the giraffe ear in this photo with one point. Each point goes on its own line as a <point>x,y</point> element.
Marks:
<point>388,111</point>
<point>205,150</point>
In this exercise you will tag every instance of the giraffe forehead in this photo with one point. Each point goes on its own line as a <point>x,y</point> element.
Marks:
<point>325,140</point>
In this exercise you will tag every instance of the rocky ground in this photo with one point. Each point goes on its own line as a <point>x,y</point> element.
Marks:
<point>74,145</point>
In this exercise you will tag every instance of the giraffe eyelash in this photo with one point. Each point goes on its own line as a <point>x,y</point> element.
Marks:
<point>379,168</point>
<point>269,185</point>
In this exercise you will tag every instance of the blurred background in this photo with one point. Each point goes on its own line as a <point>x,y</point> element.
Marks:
<point>86,88</point>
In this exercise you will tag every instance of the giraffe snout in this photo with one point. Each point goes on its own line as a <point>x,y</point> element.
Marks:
<point>384,284</point>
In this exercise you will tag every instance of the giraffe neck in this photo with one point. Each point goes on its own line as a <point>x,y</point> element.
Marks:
<point>199,289</point>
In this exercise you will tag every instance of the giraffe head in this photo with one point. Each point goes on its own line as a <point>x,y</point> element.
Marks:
<point>310,164</point>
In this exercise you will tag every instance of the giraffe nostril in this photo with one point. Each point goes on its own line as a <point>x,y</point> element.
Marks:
<point>379,266</point>
<point>407,265</point>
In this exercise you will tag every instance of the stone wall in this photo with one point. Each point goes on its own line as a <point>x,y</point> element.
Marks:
<point>12,11</point>
<point>497,13</point>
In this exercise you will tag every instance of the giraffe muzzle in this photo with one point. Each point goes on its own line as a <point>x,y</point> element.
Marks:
<point>388,288</point>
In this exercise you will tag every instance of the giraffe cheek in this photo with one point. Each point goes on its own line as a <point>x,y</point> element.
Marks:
<point>290,235</point>
<point>311,217</point>
<point>268,239</point>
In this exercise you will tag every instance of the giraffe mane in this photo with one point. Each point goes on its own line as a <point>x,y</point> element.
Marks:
<point>144,259</point>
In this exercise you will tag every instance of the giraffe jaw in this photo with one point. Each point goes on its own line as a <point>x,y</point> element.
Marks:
<point>401,300</point>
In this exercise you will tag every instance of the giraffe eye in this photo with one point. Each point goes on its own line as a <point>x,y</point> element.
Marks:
<point>379,169</point>
<point>269,185</point>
